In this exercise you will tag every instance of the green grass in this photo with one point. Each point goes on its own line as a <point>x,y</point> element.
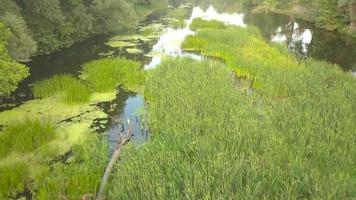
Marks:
<point>107,74</point>
<point>25,136</point>
<point>13,179</point>
<point>70,89</point>
<point>293,137</point>
<point>199,23</point>
<point>79,177</point>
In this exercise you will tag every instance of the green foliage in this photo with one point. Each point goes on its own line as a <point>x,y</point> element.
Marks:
<point>180,13</point>
<point>25,136</point>
<point>290,134</point>
<point>79,177</point>
<point>107,74</point>
<point>70,89</point>
<point>11,72</point>
<point>247,54</point>
<point>13,178</point>
<point>21,45</point>
<point>199,23</point>
<point>54,24</point>
<point>330,15</point>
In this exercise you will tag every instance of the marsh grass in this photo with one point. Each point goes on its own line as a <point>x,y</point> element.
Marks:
<point>26,136</point>
<point>70,89</point>
<point>107,74</point>
<point>199,23</point>
<point>292,137</point>
<point>78,178</point>
<point>13,178</point>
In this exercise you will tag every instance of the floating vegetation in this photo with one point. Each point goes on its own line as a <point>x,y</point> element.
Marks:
<point>107,74</point>
<point>28,169</point>
<point>107,54</point>
<point>119,44</point>
<point>133,37</point>
<point>151,31</point>
<point>134,51</point>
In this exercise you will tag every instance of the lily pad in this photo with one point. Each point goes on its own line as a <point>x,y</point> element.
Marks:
<point>133,37</point>
<point>134,50</point>
<point>106,54</point>
<point>120,44</point>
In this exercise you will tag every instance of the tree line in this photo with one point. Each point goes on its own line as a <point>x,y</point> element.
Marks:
<point>36,27</point>
<point>44,26</point>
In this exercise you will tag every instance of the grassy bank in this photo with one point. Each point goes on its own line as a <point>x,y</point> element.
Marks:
<point>266,126</point>
<point>50,149</point>
<point>101,76</point>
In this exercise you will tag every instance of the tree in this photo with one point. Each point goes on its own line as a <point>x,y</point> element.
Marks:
<point>113,15</point>
<point>352,6</point>
<point>21,44</point>
<point>11,72</point>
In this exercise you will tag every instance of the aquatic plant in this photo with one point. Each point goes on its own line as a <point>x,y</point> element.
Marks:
<point>120,44</point>
<point>25,136</point>
<point>79,176</point>
<point>199,23</point>
<point>70,89</point>
<point>13,178</point>
<point>107,74</point>
<point>290,136</point>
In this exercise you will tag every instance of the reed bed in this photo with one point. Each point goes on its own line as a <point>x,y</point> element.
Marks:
<point>26,136</point>
<point>291,135</point>
<point>70,89</point>
<point>107,74</point>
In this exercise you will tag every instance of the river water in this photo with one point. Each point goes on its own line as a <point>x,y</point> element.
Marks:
<point>302,38</point>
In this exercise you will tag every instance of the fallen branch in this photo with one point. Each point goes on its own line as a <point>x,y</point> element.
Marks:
<point>123,138</point>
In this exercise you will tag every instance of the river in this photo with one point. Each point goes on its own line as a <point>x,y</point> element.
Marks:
<point>302,38</point>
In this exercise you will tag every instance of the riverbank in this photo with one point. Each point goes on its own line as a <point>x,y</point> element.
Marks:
<point>54,145</point>
<point>310,13</point>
